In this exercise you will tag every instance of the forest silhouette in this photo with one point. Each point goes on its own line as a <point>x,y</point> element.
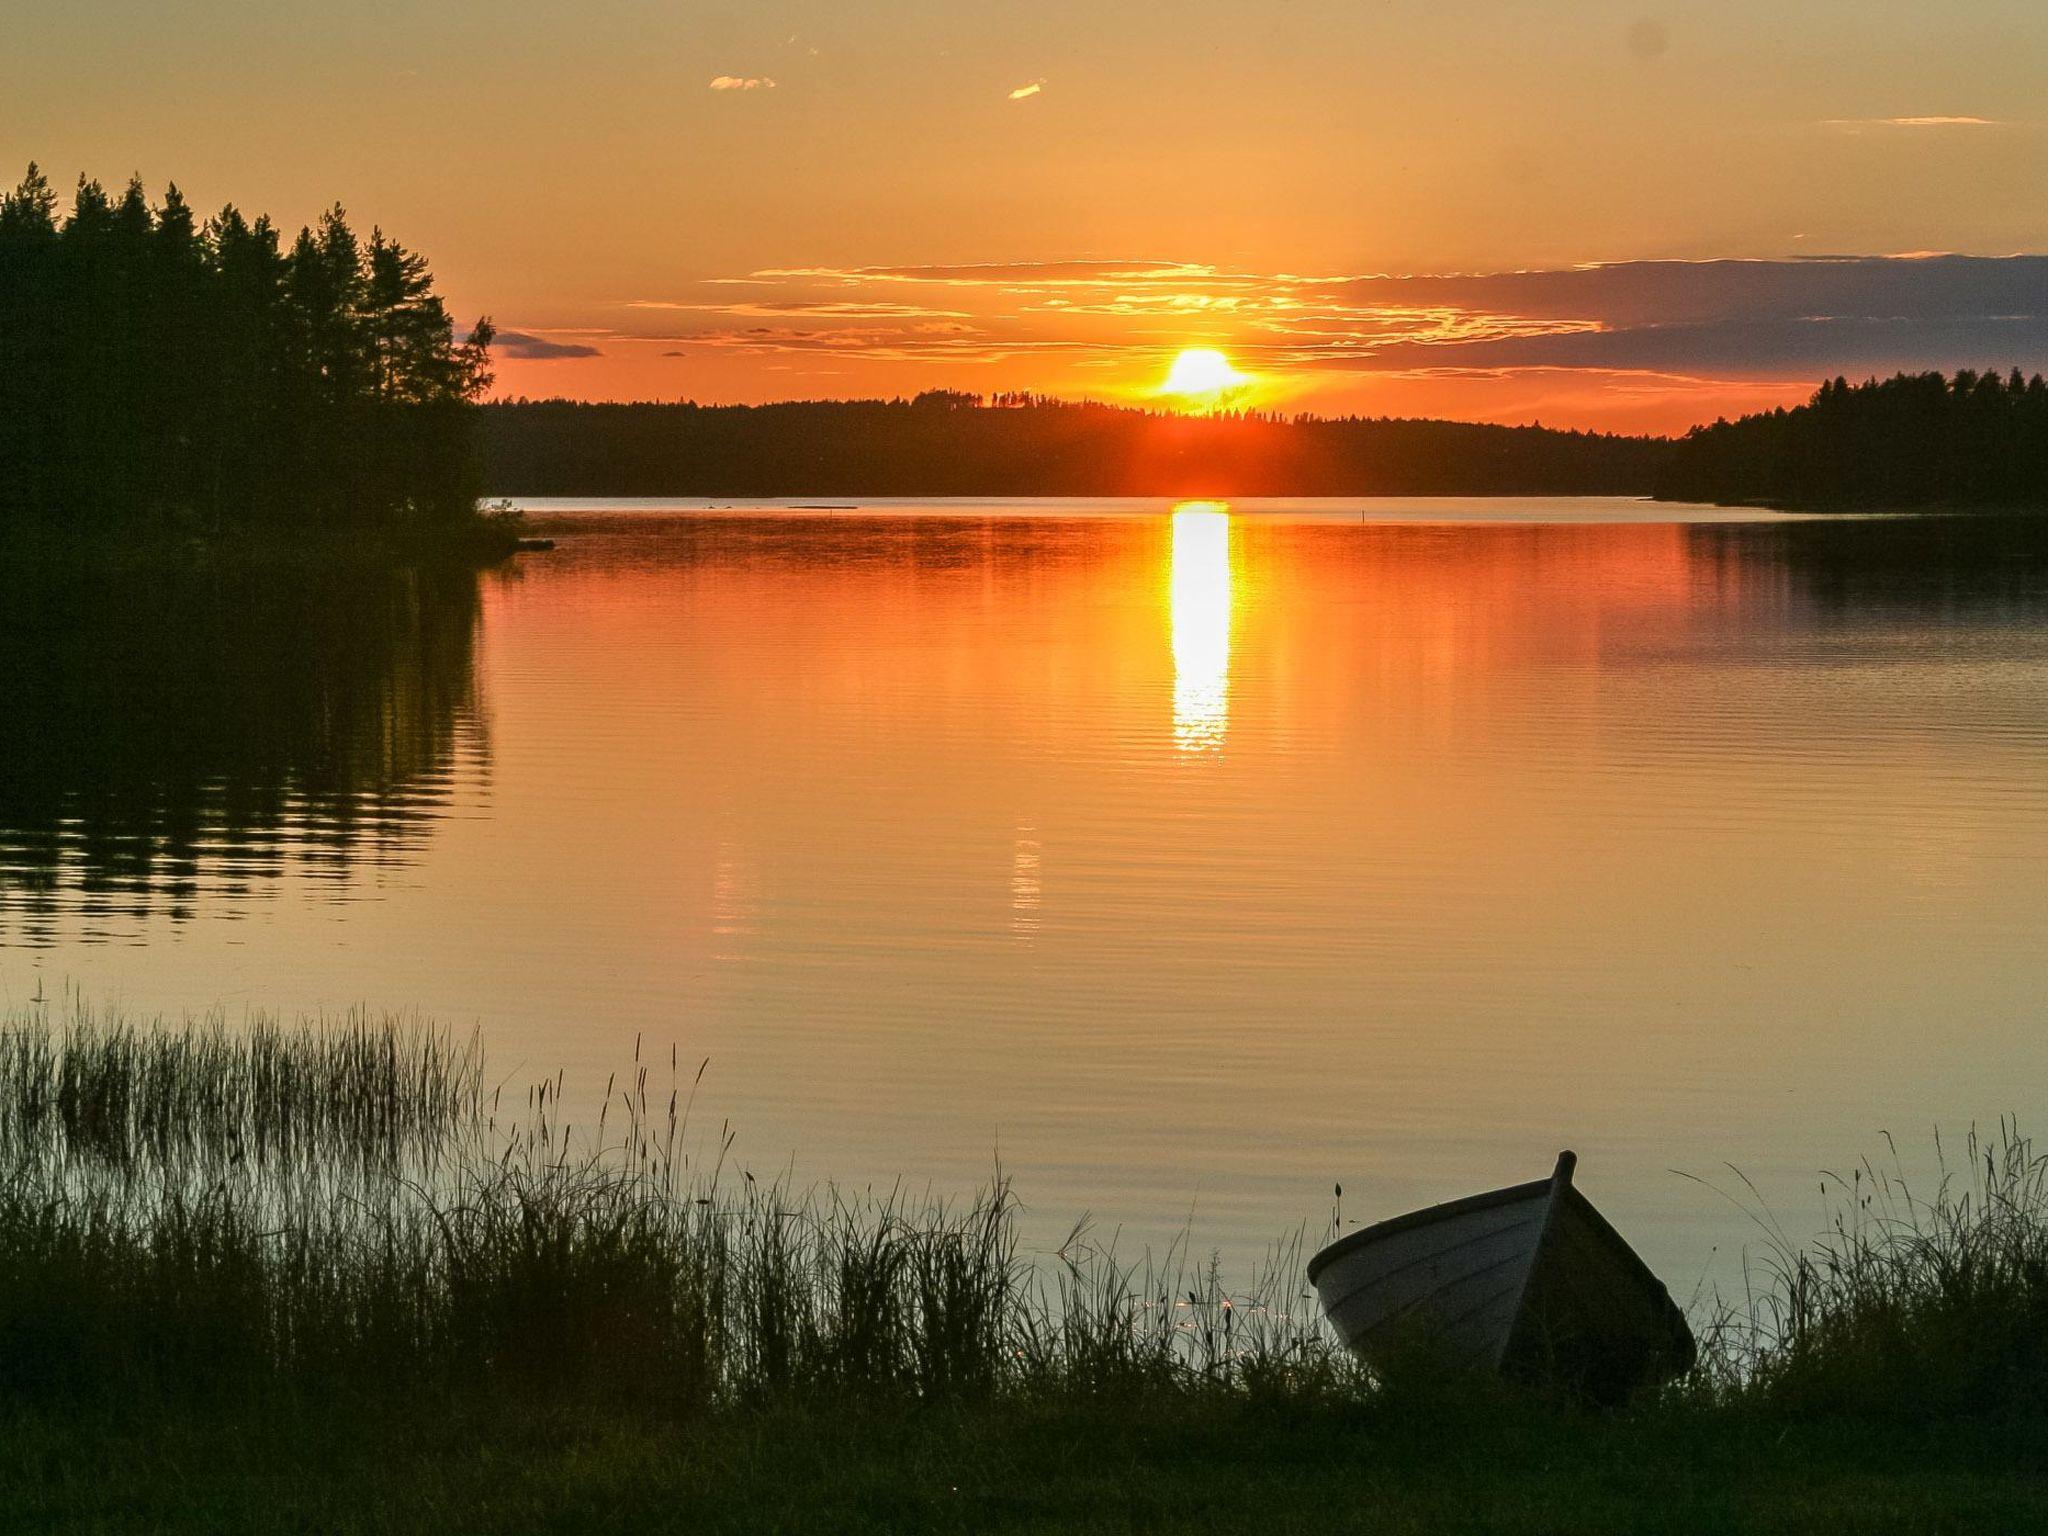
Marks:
<point>1913,440</point>
<point>157,370</point>
<point>947,443</point>
<point>153,366</point>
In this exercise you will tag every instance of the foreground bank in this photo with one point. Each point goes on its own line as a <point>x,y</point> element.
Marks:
<point>323,1278</point>
<point>1059,1466</point>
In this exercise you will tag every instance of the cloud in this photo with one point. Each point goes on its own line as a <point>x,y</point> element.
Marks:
<point>538,349</point>
<point>1807,346</point>
<point>936,343</point>
<point>1665,292</point>
<point>1722,320</point>
<point>1050,274</point>
<point>741,83</point>
<point>873,310</point>
<point>1864,124</point>
<point>1026,92</point>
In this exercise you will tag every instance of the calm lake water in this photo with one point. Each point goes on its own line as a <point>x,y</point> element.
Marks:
<point>1188,858</point>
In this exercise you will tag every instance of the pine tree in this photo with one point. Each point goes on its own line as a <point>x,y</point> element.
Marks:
<point>152,368</point>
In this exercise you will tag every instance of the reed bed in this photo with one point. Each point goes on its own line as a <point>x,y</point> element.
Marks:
<point>358,1089</point>
<point>207,1212</point>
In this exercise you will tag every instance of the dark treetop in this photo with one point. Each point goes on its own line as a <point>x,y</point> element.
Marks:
<point>153,367</point>
<point>1913,440</point>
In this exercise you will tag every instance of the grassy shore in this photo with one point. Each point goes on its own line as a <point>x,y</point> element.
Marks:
<point>320,1278</point>
<point>1037,1466</point>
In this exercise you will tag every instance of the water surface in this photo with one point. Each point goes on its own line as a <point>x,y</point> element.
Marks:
<point>1190,859</point>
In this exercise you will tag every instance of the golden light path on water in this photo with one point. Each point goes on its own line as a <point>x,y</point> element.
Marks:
<point>1199,606</point>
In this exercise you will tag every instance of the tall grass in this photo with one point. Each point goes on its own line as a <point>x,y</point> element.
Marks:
<point>340,1208</point>
<point>1914,1303</point>
<point>208,1212</point>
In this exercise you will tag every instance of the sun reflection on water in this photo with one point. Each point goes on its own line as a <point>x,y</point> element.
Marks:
<point>1027,884</point>
<point>1200,609</point>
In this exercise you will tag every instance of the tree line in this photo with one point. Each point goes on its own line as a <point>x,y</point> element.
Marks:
<point>947,443</point>
<point>1912,440</point>
<point>154,365</point>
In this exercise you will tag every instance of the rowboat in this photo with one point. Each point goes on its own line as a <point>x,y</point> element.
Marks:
<point>1529,1281</point>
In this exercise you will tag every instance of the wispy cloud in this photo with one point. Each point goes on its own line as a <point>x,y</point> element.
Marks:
<point>989,274</point>
<point>538,349</point>
<point>822,308</point>
<point>741,83</point>
<point>1026,92</point>
<point>1869,124</point>
<point>932,343</point>
<point>1777,319</point>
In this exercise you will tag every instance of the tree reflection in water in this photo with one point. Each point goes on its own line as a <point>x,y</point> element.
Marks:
<point>204,730</point>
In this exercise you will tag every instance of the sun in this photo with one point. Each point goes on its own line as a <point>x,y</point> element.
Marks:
<point>1201,373</point>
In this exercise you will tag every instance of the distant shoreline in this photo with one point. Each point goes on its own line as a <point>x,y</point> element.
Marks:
<point>941,444</point>
<point>1973,443</point>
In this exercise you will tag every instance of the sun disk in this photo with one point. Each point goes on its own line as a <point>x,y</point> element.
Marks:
<point>1201,371</point>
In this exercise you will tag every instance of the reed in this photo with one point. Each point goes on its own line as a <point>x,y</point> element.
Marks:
<point>203,1211</point>
<point>358,1089</point>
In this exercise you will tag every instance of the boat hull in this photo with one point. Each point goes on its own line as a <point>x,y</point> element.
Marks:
<point>1530,1281</point>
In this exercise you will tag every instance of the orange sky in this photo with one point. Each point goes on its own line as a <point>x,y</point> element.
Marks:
<point>1385,208</point>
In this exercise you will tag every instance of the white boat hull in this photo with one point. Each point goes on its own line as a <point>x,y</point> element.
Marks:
<point>1529,1280</point>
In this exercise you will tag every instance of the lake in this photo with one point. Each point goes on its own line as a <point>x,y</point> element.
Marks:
<point>1190,859</point>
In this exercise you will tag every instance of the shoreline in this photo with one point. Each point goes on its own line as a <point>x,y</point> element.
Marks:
<point>491,539</point>
<point>318,1277</point>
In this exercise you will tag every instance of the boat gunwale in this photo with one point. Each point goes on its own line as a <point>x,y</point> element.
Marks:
<point>1431,1256</point>
<point>1365,1237</point>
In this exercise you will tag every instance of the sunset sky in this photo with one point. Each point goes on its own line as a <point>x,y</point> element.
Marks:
<point>1587,213</point>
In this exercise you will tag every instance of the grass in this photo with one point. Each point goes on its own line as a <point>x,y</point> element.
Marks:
<point>1908,1306</point>
<point>1174,1467</point>
<point>316,1277</point>
<point>207,1212</point>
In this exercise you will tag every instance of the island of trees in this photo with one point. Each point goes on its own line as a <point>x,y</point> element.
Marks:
<point>1913,440</point>
<point>157,369</point>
